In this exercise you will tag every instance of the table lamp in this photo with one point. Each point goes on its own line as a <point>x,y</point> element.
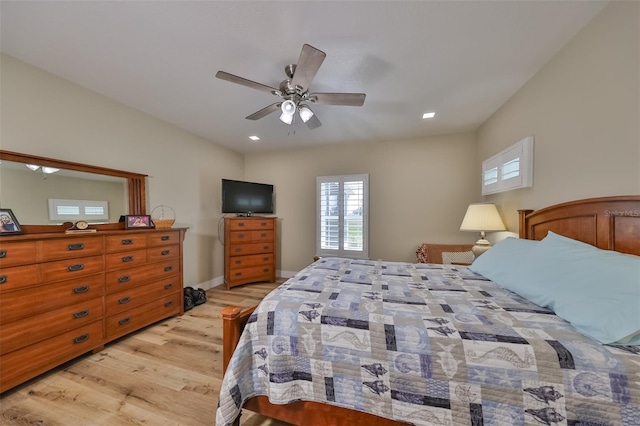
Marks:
<point>482,218</point>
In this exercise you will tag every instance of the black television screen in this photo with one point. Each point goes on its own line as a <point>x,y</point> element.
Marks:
<point>246,197</point>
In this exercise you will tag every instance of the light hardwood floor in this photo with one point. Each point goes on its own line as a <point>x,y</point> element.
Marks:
<point>166,374</point>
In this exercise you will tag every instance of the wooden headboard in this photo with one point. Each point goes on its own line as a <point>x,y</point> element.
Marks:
<point>611,223</point>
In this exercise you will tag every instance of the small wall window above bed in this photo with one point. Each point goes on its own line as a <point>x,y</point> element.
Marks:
<point>510,169</point>
<point>342,221</point>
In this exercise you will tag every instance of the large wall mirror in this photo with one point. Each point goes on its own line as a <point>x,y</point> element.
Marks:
<point>27,190</point>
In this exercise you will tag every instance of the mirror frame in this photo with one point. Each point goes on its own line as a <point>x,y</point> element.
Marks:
<point>136,184</point>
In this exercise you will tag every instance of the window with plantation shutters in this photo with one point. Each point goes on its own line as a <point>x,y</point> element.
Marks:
<point>510,169</point>
<point>342,216</point>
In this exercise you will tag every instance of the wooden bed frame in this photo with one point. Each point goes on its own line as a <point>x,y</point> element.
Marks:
<point>611,223</point>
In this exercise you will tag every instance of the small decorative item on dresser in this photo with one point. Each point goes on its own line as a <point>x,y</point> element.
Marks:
<point>137,221</point>
<point>163,216</point>
<point>8,223</point>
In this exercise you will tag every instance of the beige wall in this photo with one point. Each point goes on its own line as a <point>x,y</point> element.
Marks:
<point>583,109</point>
<point>48,116</point>
<point>419,191</point>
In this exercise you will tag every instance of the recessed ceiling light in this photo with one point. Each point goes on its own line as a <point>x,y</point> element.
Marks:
<point>254,138</point>
<point>428,115</point>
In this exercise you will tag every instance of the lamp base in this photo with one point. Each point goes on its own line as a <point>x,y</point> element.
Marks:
<point>480,247</point>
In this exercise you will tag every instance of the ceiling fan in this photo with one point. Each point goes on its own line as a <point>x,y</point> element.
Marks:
<point>294,91</point>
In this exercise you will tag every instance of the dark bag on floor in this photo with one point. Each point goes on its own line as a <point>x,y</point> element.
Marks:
<point>199,296</point>
<point>188,298</point>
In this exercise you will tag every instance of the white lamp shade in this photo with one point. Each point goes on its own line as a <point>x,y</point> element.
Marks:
<point>32,167</point>
<point>482,217</point>
<point>305,113</point>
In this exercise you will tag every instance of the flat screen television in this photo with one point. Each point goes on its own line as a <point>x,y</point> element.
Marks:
<point>246,198</point>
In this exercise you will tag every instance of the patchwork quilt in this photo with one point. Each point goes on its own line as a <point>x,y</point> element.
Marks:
<point>426,344</point>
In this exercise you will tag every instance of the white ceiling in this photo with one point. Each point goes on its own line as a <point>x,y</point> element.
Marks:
<point>462,59</point>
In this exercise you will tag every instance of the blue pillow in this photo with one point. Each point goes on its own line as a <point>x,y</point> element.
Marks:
<point>597,291</point>
<point>503,263</point>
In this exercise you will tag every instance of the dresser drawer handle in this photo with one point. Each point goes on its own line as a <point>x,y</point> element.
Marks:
<point>3,254</point>
<point>3,279</point>
<point>265,247</point>
<point>82,289</point>
<point>81,339</point>
<point>76,267</point>
<point>127,259</point>
<point>168,286</point>
<point>127,242</point>
<point>240,236</point>
<point>241,224</point>
<point>238,262</point>
<point>238,249</point>
<point>238,274</point>
<point>124,279</point>
<point>165,238</point>
<point>165,252</point>
<point>168,268</point>
<point>265,270</point>
<point>167,304</point>
<point>265,259</point>
<point>263,224</point>
<point>78,246</point>
<point>124,321</point>
<point>81,314</point>
<point>124,300</point>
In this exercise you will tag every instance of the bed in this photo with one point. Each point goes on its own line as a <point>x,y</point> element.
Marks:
<point>353,342</point>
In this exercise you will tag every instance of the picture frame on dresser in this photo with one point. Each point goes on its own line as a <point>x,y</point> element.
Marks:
<point>140,221</point>
<point>8,223</point>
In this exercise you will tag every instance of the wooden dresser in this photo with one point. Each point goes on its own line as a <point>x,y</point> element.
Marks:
<point>249,250</point>
<point>64,295</point>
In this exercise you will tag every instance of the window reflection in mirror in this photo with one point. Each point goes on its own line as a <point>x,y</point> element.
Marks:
<point>26,192</point>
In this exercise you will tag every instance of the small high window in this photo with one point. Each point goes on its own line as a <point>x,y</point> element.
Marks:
<point>510,169</point>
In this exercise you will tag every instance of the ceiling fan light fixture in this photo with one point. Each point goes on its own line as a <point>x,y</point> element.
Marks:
<point>49,170</point>
<point>32,167</point>
<point>288,107</point>
<point>286,118</point>
<point>305,113</point>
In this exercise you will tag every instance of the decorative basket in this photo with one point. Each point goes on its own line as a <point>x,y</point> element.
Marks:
<point>164,218</point>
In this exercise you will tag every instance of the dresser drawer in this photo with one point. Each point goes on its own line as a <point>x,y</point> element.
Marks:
<point>239,237</point>
<point>133,319</point>
<point>253,260</point>
<point>18,276</point>
<point>17,253</point>
<point>71,268</point>
<point>66,248</point>
<point>115,243</point>
<point>163,238</point>
<point>28,362</point>
<point>163,252</point>
<point>20,304</point>
<point>255,273</point>
<point>125,259</point>
<point>254,248</point>
<point>19,334</point>
<point>249,224</point>
<point>128,299</point>
<point>132,277</point>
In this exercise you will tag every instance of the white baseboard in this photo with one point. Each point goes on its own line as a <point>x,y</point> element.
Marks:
<point>206,285</point>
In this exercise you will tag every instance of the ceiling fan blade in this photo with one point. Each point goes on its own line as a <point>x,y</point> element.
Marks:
<point>313,122</point>
<point>348,99</point>
<point>244,82</point>
<point>308,64</point>
<point>264,111</point>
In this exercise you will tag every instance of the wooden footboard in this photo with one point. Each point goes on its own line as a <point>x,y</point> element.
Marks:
<point>233,321</point>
